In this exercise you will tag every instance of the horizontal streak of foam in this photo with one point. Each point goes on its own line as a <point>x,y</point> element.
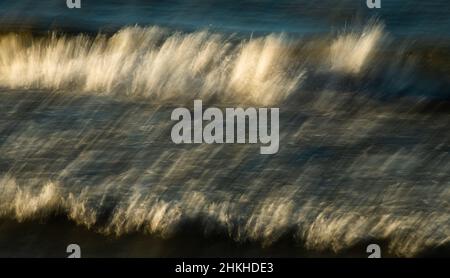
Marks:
<point>158,63</point>
<point>152,62</point>
<point>330,227</point>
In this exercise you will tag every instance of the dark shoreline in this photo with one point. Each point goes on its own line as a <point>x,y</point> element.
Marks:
<point>49,238</point>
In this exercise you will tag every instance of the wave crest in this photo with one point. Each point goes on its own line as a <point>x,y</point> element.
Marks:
<point>350,53</point>
<point>321,227</point>
<point>152,62</point>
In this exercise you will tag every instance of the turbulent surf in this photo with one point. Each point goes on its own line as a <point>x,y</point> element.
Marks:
<point>85,124</point>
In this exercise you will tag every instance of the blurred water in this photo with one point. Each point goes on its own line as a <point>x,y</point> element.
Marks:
<point>402,17</point>
<point>85,128</point>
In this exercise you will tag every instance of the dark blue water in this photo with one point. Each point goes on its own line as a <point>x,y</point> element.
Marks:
<point>402,17</point>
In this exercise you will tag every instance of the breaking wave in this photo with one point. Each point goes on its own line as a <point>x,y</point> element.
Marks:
<point>350,53</point>
<point>158,63</point>
<point>350,168</point>
<point>151,62</point>
<point>319,226</point>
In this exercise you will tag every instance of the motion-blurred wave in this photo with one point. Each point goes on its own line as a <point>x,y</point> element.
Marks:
<point>364,128</point>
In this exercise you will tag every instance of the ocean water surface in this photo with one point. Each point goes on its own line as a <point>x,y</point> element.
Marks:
<point>86,155</point>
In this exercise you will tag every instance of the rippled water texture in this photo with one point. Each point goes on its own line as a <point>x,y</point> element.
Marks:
<point>86,153</point>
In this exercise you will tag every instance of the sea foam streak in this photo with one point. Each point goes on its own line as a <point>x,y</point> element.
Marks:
<point>155,62</point>
<point>320,226</point>
<point>351,52</point>
<point>152,62</point>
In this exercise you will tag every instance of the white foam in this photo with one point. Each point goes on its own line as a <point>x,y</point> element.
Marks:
<point>322,226</point>
<point>151,62</point>
<point>352,52</point>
